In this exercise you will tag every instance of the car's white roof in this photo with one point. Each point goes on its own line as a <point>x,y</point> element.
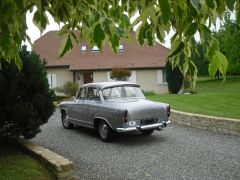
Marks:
<point>103,85</point>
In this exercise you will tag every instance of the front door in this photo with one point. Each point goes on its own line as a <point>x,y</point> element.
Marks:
<point>87,78</point>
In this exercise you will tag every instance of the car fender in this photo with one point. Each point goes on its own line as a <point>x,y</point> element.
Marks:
<point>104,119</point>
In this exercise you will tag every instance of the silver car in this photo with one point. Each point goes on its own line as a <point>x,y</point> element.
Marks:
<point>110,107</point>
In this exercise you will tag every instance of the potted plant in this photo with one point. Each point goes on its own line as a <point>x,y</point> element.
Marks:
<point>120,74</point>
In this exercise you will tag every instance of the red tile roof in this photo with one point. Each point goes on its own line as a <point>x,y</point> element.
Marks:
<point>133,56</point>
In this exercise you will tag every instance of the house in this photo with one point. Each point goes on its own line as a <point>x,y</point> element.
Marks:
<point>84,64</point>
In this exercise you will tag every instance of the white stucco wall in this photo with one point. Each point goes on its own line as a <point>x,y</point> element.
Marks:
<point>63,75</point>
<point>99,76</point>
<point>147,79</point>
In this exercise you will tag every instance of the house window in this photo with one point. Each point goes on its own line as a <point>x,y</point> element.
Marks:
<point>132,78</point>
<point>121,48</point>
<point>95,48</point>
<point>83,48</point>
<point>78,76</point>
<point>52,80</point>
<point>164,76</point>
<point>161,76</point>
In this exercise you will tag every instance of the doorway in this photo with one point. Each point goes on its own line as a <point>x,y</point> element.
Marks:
<point>87,78</point>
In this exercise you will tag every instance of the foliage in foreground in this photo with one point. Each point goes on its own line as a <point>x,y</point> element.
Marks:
<point>26,101</point>
<point>229,43</point>
<point>109,21</point>
<point>69,89</point>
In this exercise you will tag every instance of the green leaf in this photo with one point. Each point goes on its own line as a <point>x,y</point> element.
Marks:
<point>149,38</point>
<point>230,4</point>
<point>218,62</point>
<point>125,21</point>
<point>210,3</point>
<point>238,12</point>
<point>18,62</point>
<point>141,35</point>
<point>192,29</point>
<point>115,43</point>
<point>66,45</point>
<point>165,9</point>
<point>40,20</point>
<point>98,35</point>
<point>196,4</point>
<point>177,47</point>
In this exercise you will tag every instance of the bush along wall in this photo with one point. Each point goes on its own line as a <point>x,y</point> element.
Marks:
<point>26,100</point>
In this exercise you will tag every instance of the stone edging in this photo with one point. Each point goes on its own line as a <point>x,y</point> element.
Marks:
<point>215,124</point>
<point>61,167</point>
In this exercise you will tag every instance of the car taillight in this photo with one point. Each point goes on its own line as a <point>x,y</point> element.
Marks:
<point>125,117</point>
<point>168,111</point>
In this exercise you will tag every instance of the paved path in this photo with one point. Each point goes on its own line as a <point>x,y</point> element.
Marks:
<point>174,153</point>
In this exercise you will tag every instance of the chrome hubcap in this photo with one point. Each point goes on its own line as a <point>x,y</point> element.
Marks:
<point>65,121</point>
<point>103,130</point>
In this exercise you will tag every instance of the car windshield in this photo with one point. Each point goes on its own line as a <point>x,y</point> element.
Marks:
<point>121,92</point>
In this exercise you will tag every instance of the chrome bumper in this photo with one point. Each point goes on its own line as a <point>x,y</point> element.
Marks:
<point>144,127</point>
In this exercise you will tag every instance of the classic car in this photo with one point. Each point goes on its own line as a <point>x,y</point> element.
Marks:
<point>110,107</point>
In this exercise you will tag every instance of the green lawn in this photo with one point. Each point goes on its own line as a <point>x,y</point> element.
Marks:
<point>15,165</point>
<point>213,98</point>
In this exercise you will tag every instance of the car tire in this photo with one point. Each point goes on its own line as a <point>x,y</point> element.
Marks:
<point>65,122</point>
<point>105,132</point>
<point>147,132</point>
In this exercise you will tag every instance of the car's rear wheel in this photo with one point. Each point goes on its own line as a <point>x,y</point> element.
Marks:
<point>105,131</point>
<point>147,132</point>
<point>65,121</point>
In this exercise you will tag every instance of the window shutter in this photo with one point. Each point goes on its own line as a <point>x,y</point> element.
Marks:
<point>49,80</point>
<point>109,76</point>
<point>54,81</point>
<point>159,77</point>
<point>133,77</point>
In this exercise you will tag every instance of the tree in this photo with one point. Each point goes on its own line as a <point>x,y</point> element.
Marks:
<point>69,89</point>
<point>174,78</point>
<point>26,101</point>
<point>229,43</point>
<point>200,60</point>
<point>109,21</point>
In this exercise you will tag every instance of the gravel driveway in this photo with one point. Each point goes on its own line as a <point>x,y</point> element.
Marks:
<point>174,153</point>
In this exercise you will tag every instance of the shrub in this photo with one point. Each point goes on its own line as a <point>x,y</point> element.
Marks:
<point>69,89</point>
<point>120,74</point>
<point>25,97</point>
<point>234,69</point>
<point>149,93</point>
<point>174,78</point>
<point>60,98</point>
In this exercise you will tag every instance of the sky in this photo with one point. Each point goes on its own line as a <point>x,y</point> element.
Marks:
<point>34,33</point>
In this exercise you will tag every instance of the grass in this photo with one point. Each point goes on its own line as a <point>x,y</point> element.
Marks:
<point>15,165</point>
<point>214,97</point>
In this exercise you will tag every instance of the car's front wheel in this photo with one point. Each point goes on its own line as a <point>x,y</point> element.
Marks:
<point>147,132</point>
<point>105,131</point>
<point>65,121</point>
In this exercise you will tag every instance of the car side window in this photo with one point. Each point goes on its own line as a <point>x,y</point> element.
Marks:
<point>93,94</point>
<point>81,94</point>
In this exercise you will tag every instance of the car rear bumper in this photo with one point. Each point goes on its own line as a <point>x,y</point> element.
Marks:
<point>157,126</point>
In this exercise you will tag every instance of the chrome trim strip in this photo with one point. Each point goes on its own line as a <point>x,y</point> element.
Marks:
<point>73,119</point>
<point>144,127</point>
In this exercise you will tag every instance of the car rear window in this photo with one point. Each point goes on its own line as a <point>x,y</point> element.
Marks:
<point>121,92</point>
